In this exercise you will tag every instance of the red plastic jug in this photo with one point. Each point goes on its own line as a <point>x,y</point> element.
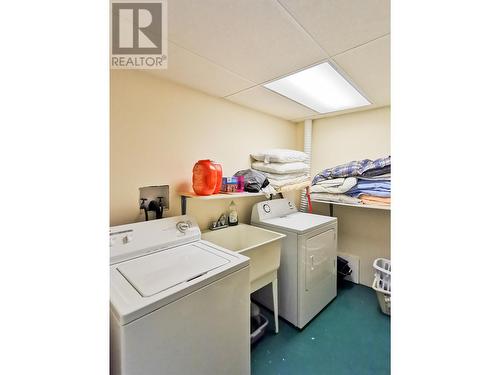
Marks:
<point>204,177</point>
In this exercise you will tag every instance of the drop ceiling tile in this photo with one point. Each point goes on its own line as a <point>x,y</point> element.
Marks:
<point>194,71</point>
<point>264,100</point>
<point>257,39</point>
<point>338,25</point>
<point>369,66</point>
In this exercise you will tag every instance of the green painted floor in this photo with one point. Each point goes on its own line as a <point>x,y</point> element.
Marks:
<point>350,336</point>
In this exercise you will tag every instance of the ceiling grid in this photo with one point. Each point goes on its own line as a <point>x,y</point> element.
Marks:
<point>230,48</point>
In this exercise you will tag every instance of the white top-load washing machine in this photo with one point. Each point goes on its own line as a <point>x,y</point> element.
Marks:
<point>307,277</point>
<point>179,305</point>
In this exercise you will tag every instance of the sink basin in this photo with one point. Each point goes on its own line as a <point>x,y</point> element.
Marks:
<point>262,246</point>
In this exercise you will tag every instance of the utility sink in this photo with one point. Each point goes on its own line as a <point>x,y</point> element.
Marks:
<point>262,246</point>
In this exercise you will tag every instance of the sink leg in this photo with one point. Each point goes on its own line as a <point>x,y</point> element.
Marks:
<point>275,304</point>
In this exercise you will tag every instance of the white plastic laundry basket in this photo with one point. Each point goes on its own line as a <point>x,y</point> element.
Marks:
<point>382,283</point>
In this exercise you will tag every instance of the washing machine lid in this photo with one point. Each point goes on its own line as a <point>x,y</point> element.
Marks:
<point>299,222</point>
<point>159,272</point>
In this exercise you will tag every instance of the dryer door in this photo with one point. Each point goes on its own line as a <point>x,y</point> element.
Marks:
<point>318,281</point>
<point>319,259</point>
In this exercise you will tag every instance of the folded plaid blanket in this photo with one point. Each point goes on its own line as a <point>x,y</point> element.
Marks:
<point>377,171</point>
<point>355,168</point>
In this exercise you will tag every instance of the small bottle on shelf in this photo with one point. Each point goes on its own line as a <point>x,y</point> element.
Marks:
<point>233,214</point>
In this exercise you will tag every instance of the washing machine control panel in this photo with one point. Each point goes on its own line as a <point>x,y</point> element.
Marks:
<point>132,240</point>
<point>273,208</point>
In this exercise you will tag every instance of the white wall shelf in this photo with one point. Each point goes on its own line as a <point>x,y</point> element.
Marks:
<point>370,206</point>
<point>191,195</point>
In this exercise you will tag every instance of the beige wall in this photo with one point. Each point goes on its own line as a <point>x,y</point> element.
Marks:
<point>337,140</point>
<point>160,129</point>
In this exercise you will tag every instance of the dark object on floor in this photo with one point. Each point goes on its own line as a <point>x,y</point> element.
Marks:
<point>343,269</point>
<point>258,325</point>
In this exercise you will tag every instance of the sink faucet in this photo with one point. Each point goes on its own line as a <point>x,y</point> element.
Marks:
<point>220,223</point>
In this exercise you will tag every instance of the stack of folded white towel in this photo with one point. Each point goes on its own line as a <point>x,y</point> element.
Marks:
<point>286,170</point>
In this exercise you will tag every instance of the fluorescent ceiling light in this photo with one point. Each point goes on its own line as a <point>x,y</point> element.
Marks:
<point>320,88</point>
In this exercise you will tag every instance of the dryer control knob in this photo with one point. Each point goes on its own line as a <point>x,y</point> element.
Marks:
<point>266,208</point>
<point>128,238</point>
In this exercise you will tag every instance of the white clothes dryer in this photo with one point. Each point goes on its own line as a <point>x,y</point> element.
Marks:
<point>179,305</point>
<point>307,277</point>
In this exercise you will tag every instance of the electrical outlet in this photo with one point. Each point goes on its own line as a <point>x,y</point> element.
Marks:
<point>354,264</point>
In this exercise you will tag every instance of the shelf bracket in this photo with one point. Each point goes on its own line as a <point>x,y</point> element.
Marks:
<point>183,205</point>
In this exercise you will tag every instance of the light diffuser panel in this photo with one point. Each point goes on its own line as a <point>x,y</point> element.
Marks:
<point>320,88</point>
